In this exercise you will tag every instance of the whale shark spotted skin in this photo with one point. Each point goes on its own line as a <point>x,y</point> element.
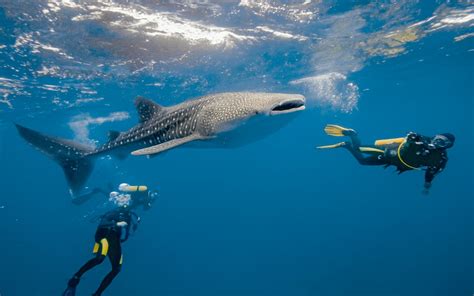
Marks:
<point>163,128</point>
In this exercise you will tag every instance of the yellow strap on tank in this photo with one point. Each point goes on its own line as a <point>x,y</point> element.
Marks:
<point>105,246</point>
<point>401,159</point>
<point>386,142</point>
<point>121,259</point>
<point>96,248</point>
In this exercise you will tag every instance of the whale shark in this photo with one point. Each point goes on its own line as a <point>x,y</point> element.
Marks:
<point>214,118</point>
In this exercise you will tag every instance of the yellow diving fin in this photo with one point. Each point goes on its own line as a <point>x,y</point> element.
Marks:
<point>338,145</point>
<point>336,130</point>
<point>371,150</point>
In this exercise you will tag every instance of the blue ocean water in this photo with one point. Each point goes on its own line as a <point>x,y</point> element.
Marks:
<point>275,217</point>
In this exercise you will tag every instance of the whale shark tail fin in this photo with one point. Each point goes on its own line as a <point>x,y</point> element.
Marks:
<point>73,157</point>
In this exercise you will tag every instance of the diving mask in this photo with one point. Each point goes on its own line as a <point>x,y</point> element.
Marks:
<point>443,141</point>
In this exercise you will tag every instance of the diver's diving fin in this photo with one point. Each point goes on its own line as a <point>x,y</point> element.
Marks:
<point>70,291</point>
<point>337,145</point>
<point>166,145</point>
<point>337,130</point>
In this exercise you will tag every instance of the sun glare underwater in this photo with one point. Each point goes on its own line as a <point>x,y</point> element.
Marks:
<point>190,128</point>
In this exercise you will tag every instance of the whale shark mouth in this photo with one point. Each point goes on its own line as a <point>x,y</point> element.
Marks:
<point>288,107</point>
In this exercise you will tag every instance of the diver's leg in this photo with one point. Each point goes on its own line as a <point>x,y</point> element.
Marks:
<point>115,256</point>
<point>354,138</point>
<point>354,145</point>
<point>354,149</point>
<point>98,259</point>
<point>89,265</point>
<point>362,159</point>
<point>100,250</point>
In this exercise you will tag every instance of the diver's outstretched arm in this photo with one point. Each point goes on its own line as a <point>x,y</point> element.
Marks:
<point>80,199</point>
<point>432,171</point>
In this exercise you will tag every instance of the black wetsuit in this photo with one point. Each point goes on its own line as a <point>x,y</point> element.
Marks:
<point>141,198</point>
<point>417,152</point>
<point>108,239</point>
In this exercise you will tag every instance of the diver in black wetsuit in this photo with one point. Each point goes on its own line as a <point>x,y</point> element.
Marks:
<point>114,228</point>
<point>412,152</point>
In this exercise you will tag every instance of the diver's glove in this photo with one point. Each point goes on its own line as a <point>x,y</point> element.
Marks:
<point>151,197</point>
<point>135,225</point>
<point>122,224</point>
<point>426,188</point>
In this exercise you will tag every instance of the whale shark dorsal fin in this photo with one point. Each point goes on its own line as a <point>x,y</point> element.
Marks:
<point>147,108</point>
<point>167,145</point>
<point>112,135</point>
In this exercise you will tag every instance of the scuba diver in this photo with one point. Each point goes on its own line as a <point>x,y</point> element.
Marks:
<point>114,228</point>
<point>412,152</point>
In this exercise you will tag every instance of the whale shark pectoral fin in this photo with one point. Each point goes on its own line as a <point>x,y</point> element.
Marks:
<point>167,145</point>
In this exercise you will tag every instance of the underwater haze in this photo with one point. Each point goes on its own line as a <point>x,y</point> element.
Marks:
<point>276,216</point>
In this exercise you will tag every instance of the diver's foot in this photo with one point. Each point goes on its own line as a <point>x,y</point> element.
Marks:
<point>74,281</point>
<point>339,131</point>
<point>349,132</point>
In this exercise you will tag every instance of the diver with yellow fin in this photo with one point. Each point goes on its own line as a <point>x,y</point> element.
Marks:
<point>114,229</point>
<point>412,152</point>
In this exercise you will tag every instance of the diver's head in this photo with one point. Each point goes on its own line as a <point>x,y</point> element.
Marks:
<point>123,187</point>
<point>443,141</point>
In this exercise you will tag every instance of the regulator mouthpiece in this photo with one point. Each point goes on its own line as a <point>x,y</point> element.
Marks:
<point>120,200</point>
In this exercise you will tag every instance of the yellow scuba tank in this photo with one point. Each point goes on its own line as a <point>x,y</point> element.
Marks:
<point>387,142</point>
<point>124,187</point>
